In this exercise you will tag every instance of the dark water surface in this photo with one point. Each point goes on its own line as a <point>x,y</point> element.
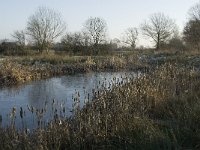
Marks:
<point>35,104</point>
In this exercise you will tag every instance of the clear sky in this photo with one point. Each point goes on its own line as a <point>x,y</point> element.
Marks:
<point>119,14</point>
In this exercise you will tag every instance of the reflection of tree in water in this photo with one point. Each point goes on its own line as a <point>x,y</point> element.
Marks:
<point>11,91</point>
<point>81,84</point>
<point>87,84</point>
<point>74,81</point>
<point>40,92</point>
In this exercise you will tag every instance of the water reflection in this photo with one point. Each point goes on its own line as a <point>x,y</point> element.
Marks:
<point>50,96</point>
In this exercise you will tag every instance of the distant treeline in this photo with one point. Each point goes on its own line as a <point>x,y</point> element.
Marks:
<point>46,25</point>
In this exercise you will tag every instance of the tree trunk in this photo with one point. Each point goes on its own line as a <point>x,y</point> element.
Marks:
<point>95,51</point>
<point>158,42</point>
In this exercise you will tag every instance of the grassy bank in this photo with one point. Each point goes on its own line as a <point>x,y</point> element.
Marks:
<point>16,70</point>
<point>159,110</point>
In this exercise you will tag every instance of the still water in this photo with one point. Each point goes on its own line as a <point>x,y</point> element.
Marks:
<point>40,100</point>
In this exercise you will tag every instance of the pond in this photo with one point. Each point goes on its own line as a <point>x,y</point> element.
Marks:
<point>35,104</point>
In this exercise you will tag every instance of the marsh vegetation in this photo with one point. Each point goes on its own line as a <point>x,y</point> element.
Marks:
<point>100,93</point>
<point>158,110</point>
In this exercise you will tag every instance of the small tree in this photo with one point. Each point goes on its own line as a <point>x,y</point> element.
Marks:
<point>191,33</point>
<point>72,41</point>
<point>176,43</point>
<point>160,28</point>
<point>116,43</point>
<point>86,40</point>
<point>131,37</point>
<point>44,27</point>
<point>19,36</point>
<point>96,29</point>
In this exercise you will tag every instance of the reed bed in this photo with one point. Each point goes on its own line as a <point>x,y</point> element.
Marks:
<point>19,70</point>
<point>158,110</point>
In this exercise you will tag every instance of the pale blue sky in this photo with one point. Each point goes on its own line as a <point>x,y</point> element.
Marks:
<point>119,14</point>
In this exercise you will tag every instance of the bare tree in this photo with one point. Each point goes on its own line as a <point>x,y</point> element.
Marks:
<point>44,27</point>
<point>194,12</point>
<point>85,38</point>
<point>160,28</point>
<point>96,29</point>
<point>19,36</point>
<point>131,37</point>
